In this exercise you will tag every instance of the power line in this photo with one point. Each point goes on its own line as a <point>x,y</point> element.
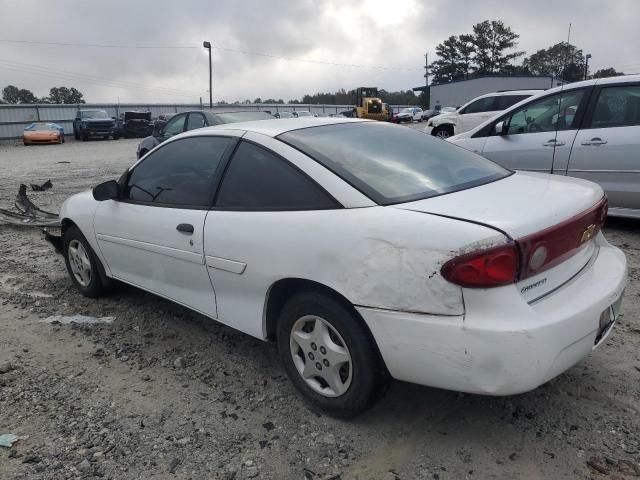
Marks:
<point>215,47</point>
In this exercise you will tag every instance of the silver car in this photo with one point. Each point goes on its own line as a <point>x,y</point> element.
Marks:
<point>588,129</point>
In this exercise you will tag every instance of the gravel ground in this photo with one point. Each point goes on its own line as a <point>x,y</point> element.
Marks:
<point>165,393</point>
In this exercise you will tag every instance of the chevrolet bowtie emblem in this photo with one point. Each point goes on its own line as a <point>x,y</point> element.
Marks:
<point>588,234</point>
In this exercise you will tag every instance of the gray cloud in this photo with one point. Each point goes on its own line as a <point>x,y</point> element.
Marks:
<point>365,32</point>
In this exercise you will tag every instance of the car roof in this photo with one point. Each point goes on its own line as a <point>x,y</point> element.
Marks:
<point>510,92</point>
<point>275,127</point>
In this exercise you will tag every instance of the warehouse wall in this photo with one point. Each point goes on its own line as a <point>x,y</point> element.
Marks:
<point>457,93</point>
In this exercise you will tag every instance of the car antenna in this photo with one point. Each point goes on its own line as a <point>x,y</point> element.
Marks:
<point>564,70</point>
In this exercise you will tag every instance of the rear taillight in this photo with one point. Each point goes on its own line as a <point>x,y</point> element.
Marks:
<point>487,268</point>
<point>553,245</point>
<point>528,256</point>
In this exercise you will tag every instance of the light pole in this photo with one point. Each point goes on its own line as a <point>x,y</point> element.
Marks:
<point>586,66</point>
<point>207,45</point>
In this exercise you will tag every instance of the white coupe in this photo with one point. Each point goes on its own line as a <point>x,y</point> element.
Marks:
<point>366,250</point>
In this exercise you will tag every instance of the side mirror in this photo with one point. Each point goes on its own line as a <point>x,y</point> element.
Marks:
<point>106,191</point>
<point>500,128</point>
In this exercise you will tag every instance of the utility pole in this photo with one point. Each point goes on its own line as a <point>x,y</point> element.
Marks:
<point>207,45</point>
<point>586,66</point>
<point>427,93</point>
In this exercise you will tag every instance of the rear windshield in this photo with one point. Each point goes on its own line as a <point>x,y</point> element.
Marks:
<point>392,164</point>
<point>234,117</point>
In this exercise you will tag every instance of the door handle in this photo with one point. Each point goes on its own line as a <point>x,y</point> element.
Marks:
<point>185,228</point>
<point>594,141</point>
<point>553,143</point>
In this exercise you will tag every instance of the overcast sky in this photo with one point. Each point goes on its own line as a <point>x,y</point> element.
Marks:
<point>385,33</point>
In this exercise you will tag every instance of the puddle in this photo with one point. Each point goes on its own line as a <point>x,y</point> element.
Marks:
<point>79,319</point>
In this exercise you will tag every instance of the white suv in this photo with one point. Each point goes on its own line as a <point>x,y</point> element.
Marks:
<point>475,112</point>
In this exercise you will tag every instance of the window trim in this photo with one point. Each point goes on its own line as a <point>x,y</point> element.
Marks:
<point>215,182</point>
<point>588,117</point>
<point>489,130</point>
<point>164,127</point>
<point>214,207</point>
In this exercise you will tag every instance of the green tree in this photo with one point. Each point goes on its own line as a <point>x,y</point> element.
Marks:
<point>607,72</point>
<point>13,94</point>
<point>64,95</point>
<point>491,40</point>
<point>449,65</point>
<point>561,60</point>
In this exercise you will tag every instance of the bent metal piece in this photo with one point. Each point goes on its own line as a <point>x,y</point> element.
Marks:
<point>27,207</point>
<point>28,213</point>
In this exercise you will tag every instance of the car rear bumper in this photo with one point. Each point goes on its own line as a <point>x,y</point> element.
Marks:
<point>503,345</point>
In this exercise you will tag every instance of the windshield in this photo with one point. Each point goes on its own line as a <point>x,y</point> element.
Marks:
<point>94,114</point>
<point>406,110</point>
<point>233,117</point>
<point>42,126</point>
<point>392,164</point>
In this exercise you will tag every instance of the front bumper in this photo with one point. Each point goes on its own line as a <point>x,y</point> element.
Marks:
<point>428,129</point>
<point>503,345</point>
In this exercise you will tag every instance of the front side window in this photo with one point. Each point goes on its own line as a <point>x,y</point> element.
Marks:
<point>617,107</point>
<point>196,120</point>
<point>482,105</point>
<point>174,126</point>
<point>179,173</point>
<point>546,114</point>
<point>257,179</point>
<point>506,101</point>
<point>392,164</point>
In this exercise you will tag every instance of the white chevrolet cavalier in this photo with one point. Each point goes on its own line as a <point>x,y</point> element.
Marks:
<point>366,250</point>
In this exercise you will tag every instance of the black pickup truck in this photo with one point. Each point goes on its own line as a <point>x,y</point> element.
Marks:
<point>136,124</point>
<point>94,123</point>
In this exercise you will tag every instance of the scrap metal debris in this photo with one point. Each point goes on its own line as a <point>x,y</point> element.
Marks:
<point>27,212</point>
<point>41,188</point>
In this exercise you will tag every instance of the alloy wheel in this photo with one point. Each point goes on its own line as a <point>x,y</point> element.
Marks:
<point>79,262</point>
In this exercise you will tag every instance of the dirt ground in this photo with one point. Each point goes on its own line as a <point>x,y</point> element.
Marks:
<point>165,393</point>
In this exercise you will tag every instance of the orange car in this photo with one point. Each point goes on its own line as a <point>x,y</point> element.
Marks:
<point>43,133</point>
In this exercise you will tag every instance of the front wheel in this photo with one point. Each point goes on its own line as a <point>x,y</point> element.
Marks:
<point>443,132</point>
<point>329,355</point>
<point>82,263</point>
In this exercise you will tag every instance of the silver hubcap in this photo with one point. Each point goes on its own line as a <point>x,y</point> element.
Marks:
<point>443,134</point>
<point>79,262</point>
<point>321,356</point>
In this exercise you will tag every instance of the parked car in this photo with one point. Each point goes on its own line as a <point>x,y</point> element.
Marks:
<point>137,125</point>
<point>301,114</point>
<point>183,122</point>
<point>589,130</point>
<point>448,270</point>
<point>42,132</point>
<point>94,123</point>
<point>428,114</point>
<point>475,112</point>
<point>283,115</point>
<point>410,114</point>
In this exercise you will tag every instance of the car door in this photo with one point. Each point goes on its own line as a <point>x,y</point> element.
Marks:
<point>607,148</point>
<point>152,237</point>
<point>474,114</point>
<point>262,199</point>
<point>537,136</point>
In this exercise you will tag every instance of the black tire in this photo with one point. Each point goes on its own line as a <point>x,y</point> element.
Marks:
<point>444,131</point>
<point>95,287</point>
<point>116,137</point>
<point>76,135</point>
<point>369,377</point>
<point>85,137</point>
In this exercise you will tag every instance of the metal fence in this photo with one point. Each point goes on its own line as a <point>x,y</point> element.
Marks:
<point>13,118</point>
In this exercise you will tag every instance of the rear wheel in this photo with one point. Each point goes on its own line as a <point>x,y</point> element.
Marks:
<point>444,131</point>
<point>329,355</point>
<point>82,263</point>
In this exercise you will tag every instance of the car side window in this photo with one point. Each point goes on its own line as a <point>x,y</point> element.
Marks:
<point>179,173</point>
<point>258,179</point>
<point>617,106</point>
<point>545,114</point>
<point>506,101</point>
<point>174,126</point>
<point>481,105</point>
<point>195,120</point>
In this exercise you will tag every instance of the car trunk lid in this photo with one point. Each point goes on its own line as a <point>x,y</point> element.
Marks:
<point>553,221</point>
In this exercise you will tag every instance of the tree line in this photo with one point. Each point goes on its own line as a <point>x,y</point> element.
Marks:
<point>490,49</point>
<point>57,95</point>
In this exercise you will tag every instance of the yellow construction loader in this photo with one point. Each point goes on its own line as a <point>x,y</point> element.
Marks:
<point>369,105</point>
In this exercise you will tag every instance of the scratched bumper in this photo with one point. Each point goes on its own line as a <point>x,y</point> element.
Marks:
<point>503,345</point>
